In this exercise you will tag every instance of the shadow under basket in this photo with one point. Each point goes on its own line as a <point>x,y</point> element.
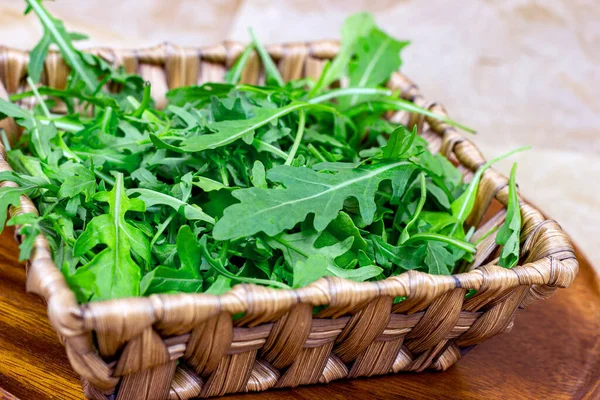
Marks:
<point>187,345</point>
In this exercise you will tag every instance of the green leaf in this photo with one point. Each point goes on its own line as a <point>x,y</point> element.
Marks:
<point>68,95</point>
<point>220,286</point>
<point>30,229</point>
<point>381,104</point>
<point>273,75</point>
<point>8,109</point>
<point>300,246</point>
<point>235,73</point>
<point>405,235</point>
<point>37,56</point>
<point>190,211</point>
<point>377,57</point>
<point>354,27</point>
<point>306,272</point>
<point>343,227</point>
<point>306,191</point>
<point>231,130</point>
<point>189,250</point>
<point>259,179</point>
<point>82,181</point>
<point>169,280</point>
<point>446,240</point>
<point>10,196</point>
<point>405,257</point>
<point>112,273</point>
<point>462,206</point>
<point>187,278</point>
<point>399,142</point>
<point>55,29</point>
<point>218,265</point>
<point>439,260</point>
<point>190,120</point>
<point>208,185</point>
<point>147,179</point>
<point>197,94</point>
<point>26,180</point>
<point>509,234</point>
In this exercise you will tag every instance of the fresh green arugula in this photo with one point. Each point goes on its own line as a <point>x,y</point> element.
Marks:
<point>277,185</point>
<point>509,234</point>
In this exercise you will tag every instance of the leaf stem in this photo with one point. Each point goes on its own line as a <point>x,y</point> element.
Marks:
<point>145,102</point>
<point>41,101</point>
<point>404,236</point>
<point>236,72</point>
<point>218,265</point>
<point>487,234</point>
<point>267,61</point>
<point>106,119</point>
<point>65,126</point>
<point>67,49</point>
<point>316,152</point>
<point>260,146</point>
<point>161,228</point>
<point>224,176</point>
<point>297,139</point>
<point>348,92</point>
<point>467,199</point>
<point>468,247</point>
<point>5,140</point>
<point>393,103</point>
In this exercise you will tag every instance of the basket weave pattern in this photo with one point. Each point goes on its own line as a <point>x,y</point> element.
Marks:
<point>187,345</point>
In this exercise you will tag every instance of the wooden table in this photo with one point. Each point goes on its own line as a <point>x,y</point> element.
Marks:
<point>553,352</point>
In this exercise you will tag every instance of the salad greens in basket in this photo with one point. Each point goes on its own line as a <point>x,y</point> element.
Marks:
<point>277,185</point>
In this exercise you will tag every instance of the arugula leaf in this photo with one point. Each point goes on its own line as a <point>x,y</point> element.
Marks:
<point>112,272</point>
<point>399,142</point>
<point>198,95</point>
<point>190,211</point>
<point>306,191</point>
<point>231,130</point>
<point>259,179</point>
<point>354,27</point>
<point>462,207</point>
<point>405,257</point>
<point>351,183</point>
<point>393,103</point>
<point>37,56</point>
<point>56,30</point>
<point>377,56</point>
<point>509,234</point>
<point>8,109</point>
<point>299,247</point>
<point>82,181</point>
<point>10,196</point>
<point>273,75</point>
<point>235,73</point>
<point>30,229</point>
<point>219,266</point>
<point>404,236</point>
<point>187,278</point>
<point>438,259</point>
<point>306,272</point>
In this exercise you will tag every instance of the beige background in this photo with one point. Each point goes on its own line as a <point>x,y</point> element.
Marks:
<point>520,72</point>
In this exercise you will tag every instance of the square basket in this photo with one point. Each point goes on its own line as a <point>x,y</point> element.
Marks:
<point>188,345</point>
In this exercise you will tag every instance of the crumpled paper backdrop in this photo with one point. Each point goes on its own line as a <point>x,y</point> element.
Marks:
<point>520,72</point>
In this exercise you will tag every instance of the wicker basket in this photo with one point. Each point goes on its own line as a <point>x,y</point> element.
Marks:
<point>188,345</point>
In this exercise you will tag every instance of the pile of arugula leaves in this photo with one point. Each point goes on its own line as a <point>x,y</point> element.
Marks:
<point>231,183</point>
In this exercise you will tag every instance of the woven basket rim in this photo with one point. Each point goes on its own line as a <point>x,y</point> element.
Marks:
<point>70,318</point>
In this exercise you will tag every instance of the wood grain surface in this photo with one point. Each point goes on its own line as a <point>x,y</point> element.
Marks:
<point>553,352</point>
